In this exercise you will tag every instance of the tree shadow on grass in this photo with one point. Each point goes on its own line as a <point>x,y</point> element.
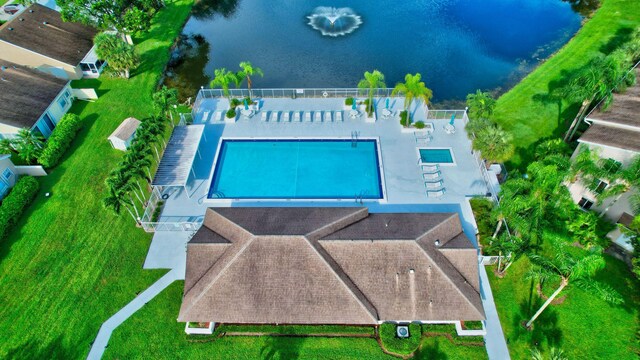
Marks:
<point>617,275</point>
<point>281,347</point>
<point>621,37</point>
<point>36,350</point>
<point>545,329</point>
<point>431,352</point>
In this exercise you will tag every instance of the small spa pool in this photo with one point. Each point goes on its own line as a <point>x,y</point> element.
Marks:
<point>297,169</point>
<point>436,156</point>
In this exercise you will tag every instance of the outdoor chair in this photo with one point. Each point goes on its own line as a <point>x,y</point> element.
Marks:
<point>436,193</point>
<point>430,168</point>
<point>307,116</point>
<point>433,184</point>
<point>274,116</point>
<point>205,117</point>
<point>431,176</point>
<point>296,116</point>
<point>338,116</point>
<point>285,116</point>
<point>327,116</point>
<point>219,116</point>
<point>264,116</point>
<point>317,116</point>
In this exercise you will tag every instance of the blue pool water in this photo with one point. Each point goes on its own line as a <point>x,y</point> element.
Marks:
<point>436,156</point>
<point>296,169</point>
<point>457,45</point>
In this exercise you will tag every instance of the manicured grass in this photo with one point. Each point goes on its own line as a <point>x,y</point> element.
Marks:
<point>397,345</point>
<point>584,326</point>
<point>528,112</point>
<point>153,333</point>
<point>69,265</point>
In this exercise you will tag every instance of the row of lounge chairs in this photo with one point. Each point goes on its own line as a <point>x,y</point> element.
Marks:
<point>299,116</point>
<point>433,182</point>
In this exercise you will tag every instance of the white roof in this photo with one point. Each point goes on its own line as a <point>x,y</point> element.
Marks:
<point>126,129</point>
<point>176,162</point>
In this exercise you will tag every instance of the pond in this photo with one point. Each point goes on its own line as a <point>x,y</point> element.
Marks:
<point>457,45</point>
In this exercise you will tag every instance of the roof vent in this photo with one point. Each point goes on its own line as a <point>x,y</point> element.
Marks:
<point>10,29</point>
<point>437,242</point>
<point>411,271</point>
<point>21,19</point>
<point>31,10</point>
<point>45,23</point>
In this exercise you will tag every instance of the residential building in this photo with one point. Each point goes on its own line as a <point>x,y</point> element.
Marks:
<point>330,265</point>
<point>39,38</point>
<point>9,173</point>
<point>613,134</point>
<point>31,99</point>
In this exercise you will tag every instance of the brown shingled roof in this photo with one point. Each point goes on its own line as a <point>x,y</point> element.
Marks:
<point>625,109</point>
<point>25,94</point>
<point>612,136</point>
<point>329,266</point>
<point>42,30</point>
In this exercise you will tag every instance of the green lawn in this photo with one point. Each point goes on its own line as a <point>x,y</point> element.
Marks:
<point>526,110</point>
<point>153,333</point>
<point>69,265</point>
<point>584,326</point>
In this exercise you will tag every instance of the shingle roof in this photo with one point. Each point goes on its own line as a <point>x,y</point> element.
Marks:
<point>42,30</point>
<point>125,129</point>
<point>329,266</point>
<point>25,94</point>
<point>625,109</point>
<point>612,136</point>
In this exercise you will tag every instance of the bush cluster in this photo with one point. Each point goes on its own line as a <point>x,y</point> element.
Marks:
<point>348,101</point>
<point>235,102</point>
<point>404,121</point>
<point>14,204</point>
<point>231,113</point>
<point>60,140</point>
<point>419,124</point>
<point>403,346</point>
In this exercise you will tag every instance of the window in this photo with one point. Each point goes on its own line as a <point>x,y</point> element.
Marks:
<point>601,186</point>
<point>62,102</point>
<point>586,204</point>
<point>7,174</point>
<point>48,121</point>
<point>84,67</point>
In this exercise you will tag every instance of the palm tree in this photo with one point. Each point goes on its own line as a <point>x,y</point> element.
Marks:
<point>495,144</point>
<point>481,105</point>
<point>222,78</point>
<point>7,146</point>
<point>570,269</point>
<point>554,354</point>
<point>28,144</point>
<point>247,72</point>
<point>116,200</point>
<point>371,81</point>
<point>476,125</point>
<point>508,247</point>
<point>164,99</point>
<point>120,56</point>
<point>413,88</point>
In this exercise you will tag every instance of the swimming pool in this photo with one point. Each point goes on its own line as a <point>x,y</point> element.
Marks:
<point>436,156</point>
<point>297,169</point>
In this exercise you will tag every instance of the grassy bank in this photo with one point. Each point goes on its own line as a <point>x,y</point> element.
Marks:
<point>583,326</point>
<point>527,110</point>
<point>153,333</point>
<point>69,265</point>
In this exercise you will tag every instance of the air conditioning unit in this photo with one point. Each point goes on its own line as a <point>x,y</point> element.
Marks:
<point>402,331</point>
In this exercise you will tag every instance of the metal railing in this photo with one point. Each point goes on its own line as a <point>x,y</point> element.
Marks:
<point>447,114</point>
<point>171,225</point>
<point>165,223</point>
<point>294,93</point>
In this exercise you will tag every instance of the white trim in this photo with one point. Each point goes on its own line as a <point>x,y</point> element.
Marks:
<point>37,53</point>
<point>607,146</point>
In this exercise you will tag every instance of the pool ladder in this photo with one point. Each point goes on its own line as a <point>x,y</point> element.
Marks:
<point>354,139</point>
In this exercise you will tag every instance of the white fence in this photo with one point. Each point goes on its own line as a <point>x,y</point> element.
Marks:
<point>295,93</point>
<point>164,223</point>
<point>31,170</point>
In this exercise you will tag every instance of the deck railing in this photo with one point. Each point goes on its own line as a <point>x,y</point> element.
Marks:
<point>164,223</point>
<point>295,93</point>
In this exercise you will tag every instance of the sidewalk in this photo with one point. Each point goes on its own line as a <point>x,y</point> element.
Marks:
<point>494,339</point>
<point>102,340</point>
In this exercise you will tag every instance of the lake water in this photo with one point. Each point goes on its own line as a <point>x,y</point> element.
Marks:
<point>457,45</point>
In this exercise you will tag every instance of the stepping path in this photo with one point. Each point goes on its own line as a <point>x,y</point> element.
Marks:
<point>102,340</point>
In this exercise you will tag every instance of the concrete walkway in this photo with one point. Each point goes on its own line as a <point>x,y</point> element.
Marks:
<point>102,340</point>
<point>494,339</point>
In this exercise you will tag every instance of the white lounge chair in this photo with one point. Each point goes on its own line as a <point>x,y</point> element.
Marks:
<point>274,116</point>
<point>436,192</point>
<point>307,116</point>
<point>264,116</point>
<point>431,176</point>
<point>327,116</point>
<point>286,116</point>
<point>430,168</point>
<point>338,116</point>
<point>296,116</point>
<point>317,116</point>
<point>433,184</point>
<point>205,117</point>
<point>219,116</point>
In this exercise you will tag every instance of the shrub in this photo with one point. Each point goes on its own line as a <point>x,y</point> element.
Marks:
<point>14,204</point>
<point>419,124</point>
<point>235,102</point>
<point>348,101</point>
<point>472,325</point>
<point>404,119</point>
<point>398,345</point>
<point>231,113</point>
<point>60,140</point>
<point>482,212</point>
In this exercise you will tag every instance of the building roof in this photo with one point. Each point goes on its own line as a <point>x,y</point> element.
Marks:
<point>612,136</point>
<point>126,129</point>
<point>329,266</point>
<point>41,30</point>
<point>175,166</point>
<point>619,125</point>
<point>25,94</point>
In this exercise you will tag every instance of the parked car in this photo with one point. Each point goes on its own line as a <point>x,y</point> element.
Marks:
<point>11,9</point>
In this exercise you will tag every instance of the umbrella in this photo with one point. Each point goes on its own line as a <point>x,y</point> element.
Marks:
<point>453,117</point>
<point>246,106</point>
<point>387,106</point>
<point>353,105</point>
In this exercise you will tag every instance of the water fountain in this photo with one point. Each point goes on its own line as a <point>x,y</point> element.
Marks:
<point>334,22</point>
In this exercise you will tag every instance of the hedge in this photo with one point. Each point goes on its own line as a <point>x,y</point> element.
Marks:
<point>14,204</point>
<point>60,140</point>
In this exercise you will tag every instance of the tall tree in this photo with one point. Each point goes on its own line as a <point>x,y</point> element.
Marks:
<point>495,144</point>
<point>126,16</point>
<point>570,269</point>
<point>28,144</point>
<point>481,105</point>
<point>120,56</point>
<point>247,70</point>
<point>164,99</point>
<point>371,81</point>
<point>116,201</point>
<point>413,89</point>
<point>7,146</point>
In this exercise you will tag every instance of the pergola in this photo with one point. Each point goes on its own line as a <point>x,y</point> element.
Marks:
<point>177,162</point>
